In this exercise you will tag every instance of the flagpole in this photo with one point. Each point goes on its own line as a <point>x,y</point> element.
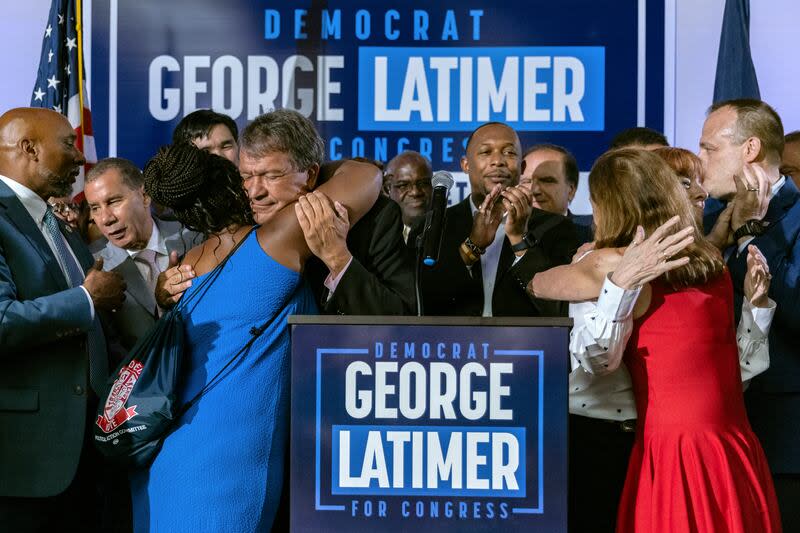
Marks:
<point>79,31</point>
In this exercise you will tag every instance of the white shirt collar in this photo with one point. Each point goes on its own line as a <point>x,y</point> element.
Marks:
<point>156,243</point>
<point>777,187</point>
<point>32,202</point>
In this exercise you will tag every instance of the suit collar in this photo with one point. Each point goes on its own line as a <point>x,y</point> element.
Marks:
<point>786,197</point>
<point>16,213</point>
<point>137,287</point>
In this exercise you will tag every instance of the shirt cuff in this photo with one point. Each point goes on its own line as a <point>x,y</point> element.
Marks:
<point>91,303</point>
<point>615,302</point>
<point>755,321</point>
<point>331,283</point>
<point>743,246</point>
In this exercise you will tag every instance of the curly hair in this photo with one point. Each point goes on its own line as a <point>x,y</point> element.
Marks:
<point>204,190</point>
<point>631,187</point>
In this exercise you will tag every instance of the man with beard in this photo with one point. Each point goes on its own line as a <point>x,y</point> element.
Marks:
<point>494,241</point>
<point>53,347</point>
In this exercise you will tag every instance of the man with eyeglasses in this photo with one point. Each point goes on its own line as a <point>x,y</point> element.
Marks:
<point>407,181</point>
<point>361,270</point>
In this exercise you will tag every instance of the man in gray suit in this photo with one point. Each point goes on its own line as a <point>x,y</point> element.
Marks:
<point>139,246</point>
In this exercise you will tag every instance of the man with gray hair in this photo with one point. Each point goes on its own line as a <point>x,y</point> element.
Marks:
<point>361,270</point>
<point>139,246</point>
<point>740,148</point>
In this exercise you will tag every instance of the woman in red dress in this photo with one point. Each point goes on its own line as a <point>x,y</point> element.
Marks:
<point>696,465</point>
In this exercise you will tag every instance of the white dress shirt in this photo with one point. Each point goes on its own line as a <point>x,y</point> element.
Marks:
<point>490,261</point>
<point>36,208</point>
<point>600,385</point>
<point>157,244</point>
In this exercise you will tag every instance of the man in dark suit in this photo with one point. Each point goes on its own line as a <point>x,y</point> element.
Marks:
<point>487,258</point>
<point>361,270</point>
<point>740,149</point>
<point>51,342</point>
<point>550,172</point>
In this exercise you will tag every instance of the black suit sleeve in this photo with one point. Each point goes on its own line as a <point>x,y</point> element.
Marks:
<point>379,280</point>
<point>554,247</point>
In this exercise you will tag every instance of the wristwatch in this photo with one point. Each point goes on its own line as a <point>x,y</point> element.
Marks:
<point>752,227</point>
<point>528,241</point>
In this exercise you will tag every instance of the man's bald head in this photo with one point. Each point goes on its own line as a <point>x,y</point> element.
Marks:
<point>37,149</point>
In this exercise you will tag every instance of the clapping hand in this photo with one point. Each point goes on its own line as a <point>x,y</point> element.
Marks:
<point>517,203</point>
<point>487,219</point>
<point>757,279</point>
<point>646,259</point>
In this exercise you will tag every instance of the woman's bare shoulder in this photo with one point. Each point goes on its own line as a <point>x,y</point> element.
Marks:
<point>604,260</point>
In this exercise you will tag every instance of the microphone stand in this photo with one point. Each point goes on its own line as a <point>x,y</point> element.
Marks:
<point>418,270</point>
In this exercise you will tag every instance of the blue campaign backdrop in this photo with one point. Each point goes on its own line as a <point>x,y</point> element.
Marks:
<point>380,77</point>
<point>452,427</point>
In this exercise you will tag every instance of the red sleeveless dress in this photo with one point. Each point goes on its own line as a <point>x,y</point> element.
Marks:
<point>696,465</point>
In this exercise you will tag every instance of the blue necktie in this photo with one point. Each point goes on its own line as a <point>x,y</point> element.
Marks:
<point>98,354</point>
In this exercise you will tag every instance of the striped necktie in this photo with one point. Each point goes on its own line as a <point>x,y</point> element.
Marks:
<point>98,353</point>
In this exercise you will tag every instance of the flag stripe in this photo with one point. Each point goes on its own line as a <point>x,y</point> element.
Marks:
<point>59,81</point>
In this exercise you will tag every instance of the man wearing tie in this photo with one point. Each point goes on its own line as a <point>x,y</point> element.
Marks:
<point>139,246</point>
<point>52,344</point>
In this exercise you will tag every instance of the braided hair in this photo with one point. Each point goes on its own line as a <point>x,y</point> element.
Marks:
<point>204,190</point>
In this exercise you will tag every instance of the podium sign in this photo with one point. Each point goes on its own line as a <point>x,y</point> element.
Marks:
<point>401,423</point>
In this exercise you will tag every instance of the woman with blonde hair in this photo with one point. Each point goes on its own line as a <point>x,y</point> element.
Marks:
<point>696,464</point>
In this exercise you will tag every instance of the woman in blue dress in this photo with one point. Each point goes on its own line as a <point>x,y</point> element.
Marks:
<point>221,467</point>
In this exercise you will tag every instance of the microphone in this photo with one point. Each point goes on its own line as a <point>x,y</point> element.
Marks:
<point>442,182</point>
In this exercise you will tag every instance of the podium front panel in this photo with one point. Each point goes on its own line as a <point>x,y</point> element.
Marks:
<point>406,423</point>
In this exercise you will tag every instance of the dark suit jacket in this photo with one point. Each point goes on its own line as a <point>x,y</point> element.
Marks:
<point>43,349</point>
<point>773,398</point>
<point>378,281</point>
<point>584,224</point>
<point>449,288</point>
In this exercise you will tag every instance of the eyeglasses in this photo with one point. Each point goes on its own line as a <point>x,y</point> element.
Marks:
<point>62,208</point>
<point>405,186</point>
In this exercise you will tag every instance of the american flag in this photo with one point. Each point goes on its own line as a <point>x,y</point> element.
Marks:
<point>60,79</point>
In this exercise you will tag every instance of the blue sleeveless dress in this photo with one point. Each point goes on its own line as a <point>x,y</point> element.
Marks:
<point>222,467</point>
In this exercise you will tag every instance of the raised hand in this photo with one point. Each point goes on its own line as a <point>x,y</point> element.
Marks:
<point>646,259</point>
<point>487,219</point>
<point>752,195</point>
<point>757,279</point>
<point>517,203</point>
<point>721,234</point>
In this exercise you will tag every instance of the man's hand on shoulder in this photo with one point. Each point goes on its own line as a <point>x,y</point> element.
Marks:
<point>325,225</point>
<point>173,282</point>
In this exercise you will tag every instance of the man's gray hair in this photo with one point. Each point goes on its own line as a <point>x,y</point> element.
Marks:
<point>286,131</point>
<point>131,175</point>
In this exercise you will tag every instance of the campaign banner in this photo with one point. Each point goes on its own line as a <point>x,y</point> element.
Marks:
<point>456,427</point>
<point>381,77</point>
